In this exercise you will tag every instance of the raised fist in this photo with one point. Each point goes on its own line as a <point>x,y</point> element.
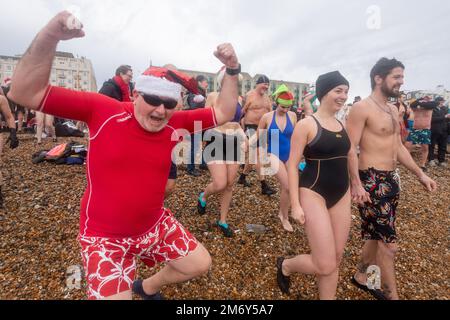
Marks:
<point>64,26</point>
<point>225,53</point>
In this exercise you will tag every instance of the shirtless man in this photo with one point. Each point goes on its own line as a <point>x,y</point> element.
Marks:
<point>373,126</point>
<point>421,132</point>
<point>257,104</point>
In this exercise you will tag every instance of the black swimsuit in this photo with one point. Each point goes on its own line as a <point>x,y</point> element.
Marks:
<point>326,170</point>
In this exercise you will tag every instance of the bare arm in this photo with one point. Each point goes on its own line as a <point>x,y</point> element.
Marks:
<point>228,97</point>
<point>299,141</point>
<point>307,105</point>
<point>355,127</point>
<point>294,118</point>
<point>211,100</point>
<point>246,104</point>
<point>31,77</point>
<point>406,159</point>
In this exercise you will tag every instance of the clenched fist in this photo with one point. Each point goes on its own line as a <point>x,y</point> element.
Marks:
<point>225,53</point>
<point>64,26</point>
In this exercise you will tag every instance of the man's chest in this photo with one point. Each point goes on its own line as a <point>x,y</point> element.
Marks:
<point>383,124</point>
<point>258,104</point>
<point>124,144</point>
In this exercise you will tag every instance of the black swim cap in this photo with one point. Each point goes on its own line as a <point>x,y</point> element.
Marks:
<point>328,82</point>
<point>262,79</point>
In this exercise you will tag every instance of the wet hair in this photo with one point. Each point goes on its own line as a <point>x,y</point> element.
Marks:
<point>383,68</point>
<point>123,70</point>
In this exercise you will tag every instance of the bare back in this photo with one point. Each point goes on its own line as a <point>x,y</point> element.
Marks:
<point>380,135</point>
<point>255,107</point>
<point>422,119</point>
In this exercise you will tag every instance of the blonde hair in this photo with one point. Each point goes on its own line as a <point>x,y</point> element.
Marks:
<point>221,75</point>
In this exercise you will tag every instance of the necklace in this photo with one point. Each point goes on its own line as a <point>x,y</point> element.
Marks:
<point>394,128</point>
<point>389,112</point>
<point>380,106</point>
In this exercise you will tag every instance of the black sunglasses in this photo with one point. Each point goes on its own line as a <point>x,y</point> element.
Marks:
<point>156,101</point>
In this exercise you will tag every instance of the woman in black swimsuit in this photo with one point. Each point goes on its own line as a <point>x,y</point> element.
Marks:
<point>323,203</point>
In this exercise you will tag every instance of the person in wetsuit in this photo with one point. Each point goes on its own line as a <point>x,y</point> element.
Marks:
<point>122,216</point>
<point>323,203</point>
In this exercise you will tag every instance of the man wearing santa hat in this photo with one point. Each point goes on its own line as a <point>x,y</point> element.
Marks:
<point>122,214</point>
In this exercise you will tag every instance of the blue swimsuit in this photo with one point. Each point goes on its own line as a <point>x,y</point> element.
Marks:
<point>284,143</point>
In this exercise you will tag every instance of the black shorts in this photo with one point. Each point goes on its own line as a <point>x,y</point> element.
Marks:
<point>378,218</point>
<point>227,149</point>
<point>173,174</point>
<point>250,129</point>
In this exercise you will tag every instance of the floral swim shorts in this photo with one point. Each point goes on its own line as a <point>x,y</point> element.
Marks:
<point>110,264</point>
<point>378,217</point>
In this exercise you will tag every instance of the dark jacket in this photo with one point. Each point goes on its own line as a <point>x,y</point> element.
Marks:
<point>192,105</point>
<point>112,90</point>
<point>439,120</point>
<point>424,105</point>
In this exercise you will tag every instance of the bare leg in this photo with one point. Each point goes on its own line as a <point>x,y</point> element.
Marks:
<point>194,265</point>
<point>20,117</point>
<point>319,230</point>
<point>285,202</point>
<point>49,125</point>
<point>424,149</point>
<point>385,258</point>
<point>341,221</point>
<point>39,126</point>
<point>219,179</point>
<point>227,195</point>
<point>368,258</point>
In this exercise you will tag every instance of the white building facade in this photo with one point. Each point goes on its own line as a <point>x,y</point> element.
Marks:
<point>67,71</point>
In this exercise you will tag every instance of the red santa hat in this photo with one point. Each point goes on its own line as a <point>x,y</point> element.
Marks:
<point>165,83</point>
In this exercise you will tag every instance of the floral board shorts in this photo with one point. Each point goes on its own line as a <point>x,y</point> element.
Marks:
<point>420,136</point>
<point>110,264</point>
<point>378,217</point>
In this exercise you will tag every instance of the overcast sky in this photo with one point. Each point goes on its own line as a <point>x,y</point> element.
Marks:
<point>292,40</point>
